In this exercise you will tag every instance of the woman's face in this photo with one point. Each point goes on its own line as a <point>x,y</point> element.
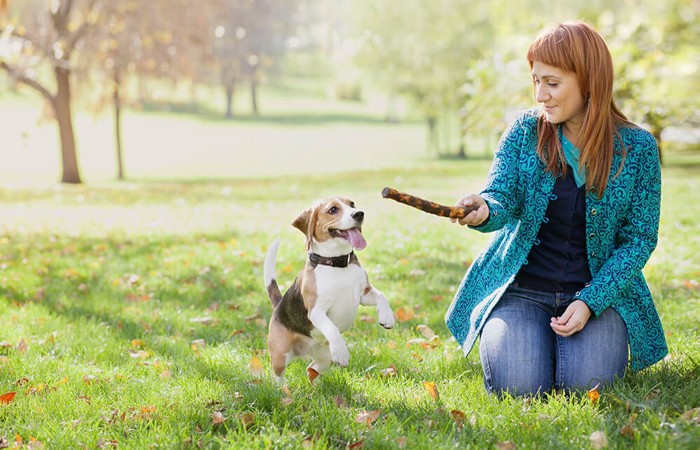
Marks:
<point>558,92</point>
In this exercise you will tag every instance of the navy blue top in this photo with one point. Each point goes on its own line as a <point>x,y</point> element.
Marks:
<point>558,260</point>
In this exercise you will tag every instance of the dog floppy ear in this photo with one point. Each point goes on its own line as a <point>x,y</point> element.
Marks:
<point>306,222</point>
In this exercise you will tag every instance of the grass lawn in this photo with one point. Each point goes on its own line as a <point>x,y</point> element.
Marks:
<point>133,315</point>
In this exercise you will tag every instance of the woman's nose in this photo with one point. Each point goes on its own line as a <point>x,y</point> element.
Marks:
<point>541,94</point>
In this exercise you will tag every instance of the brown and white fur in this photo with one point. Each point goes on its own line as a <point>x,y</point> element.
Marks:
<point>323,300</point>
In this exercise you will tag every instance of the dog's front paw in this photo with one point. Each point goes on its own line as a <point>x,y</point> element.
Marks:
<point>386,317</point>
<point>340,354</point>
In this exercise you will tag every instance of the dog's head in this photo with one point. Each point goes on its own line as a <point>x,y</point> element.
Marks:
<point>332,227</point>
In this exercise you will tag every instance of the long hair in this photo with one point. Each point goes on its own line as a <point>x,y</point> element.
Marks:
<point>577,47</point>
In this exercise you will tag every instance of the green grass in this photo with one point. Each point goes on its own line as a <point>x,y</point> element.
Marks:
<point>131,312</point>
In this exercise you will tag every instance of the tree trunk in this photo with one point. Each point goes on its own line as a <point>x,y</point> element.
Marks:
<point>62,108</point>
<point>433,135</point>
<point>118,124</point>
<point>254,96</point>
<point>229,98</point>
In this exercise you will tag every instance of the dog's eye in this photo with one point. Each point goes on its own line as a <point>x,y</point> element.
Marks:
<point>352,204</point>
<point>333,210</point>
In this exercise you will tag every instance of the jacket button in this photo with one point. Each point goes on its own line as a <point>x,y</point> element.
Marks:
<point>594,212</point>
<point>592,235</point>
<point>593,253</point>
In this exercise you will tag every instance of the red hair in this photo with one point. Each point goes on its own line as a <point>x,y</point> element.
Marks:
<point>576,47</point>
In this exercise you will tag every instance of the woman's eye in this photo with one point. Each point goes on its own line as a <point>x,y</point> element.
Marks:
<point>552,84</point>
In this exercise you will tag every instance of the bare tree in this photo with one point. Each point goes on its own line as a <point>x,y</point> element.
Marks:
<point>51,36</point>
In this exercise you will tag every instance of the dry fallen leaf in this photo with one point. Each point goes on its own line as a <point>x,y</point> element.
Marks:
<point>459,417</point>
<point>426,331</point>
<point>507,445</point>
<point>389,371</point>
<point>367,417</point>
<point>598,440</point>
<point>218,418</point>
<point>593,394</point>
<point>405,313</point>
<point>692,415</point>
<point>312,374</point>
<point>22,346</point>
<point>255,367</point>
<point>247,419</point>
<point>7,397</point>
<point>432,389</point>
<point>628,430</point>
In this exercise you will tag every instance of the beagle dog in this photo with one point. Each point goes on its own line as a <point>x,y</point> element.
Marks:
<point>323,300</point>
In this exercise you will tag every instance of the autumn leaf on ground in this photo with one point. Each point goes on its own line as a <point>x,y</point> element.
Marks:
<point>247,419</point>
<point>255,367</point>
<point>405,313</point>
<point>218,418</point>
<point>628,430</point>
<point>598,440</point>
<point>340,401</point>
<point>356,445</point>
<point>198,344</point>
<point>312,374</point>
<point>507,445</point>
<point>426,331</point>
<point>432,389</point>
<point>206,321</point>
<point>367,417</point>
<point>593,394</point>
<point>7,397</point>
<point>692,415</point>
<point>137,343</point>
<point>389,371</point>
<point>22,346</point>
<point>459,417</point>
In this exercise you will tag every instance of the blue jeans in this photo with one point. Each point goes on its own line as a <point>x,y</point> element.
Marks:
<point>521,354</point>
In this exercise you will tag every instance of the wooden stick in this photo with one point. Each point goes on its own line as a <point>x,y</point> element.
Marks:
<point>452,212</point>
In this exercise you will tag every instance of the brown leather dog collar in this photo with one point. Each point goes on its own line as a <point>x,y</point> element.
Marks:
<point>334,261</point>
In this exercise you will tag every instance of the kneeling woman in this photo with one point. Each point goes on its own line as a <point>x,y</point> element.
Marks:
<point>558,298</point>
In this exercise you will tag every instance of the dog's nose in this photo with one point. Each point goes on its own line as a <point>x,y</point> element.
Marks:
<point>358,215</point>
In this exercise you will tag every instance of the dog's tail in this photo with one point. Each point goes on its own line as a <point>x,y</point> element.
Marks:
<point>273,291</point>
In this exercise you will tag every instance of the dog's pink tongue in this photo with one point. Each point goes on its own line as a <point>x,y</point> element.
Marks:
<point>356,239</point>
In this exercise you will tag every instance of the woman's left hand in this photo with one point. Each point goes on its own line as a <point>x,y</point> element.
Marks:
<point>573,320</point>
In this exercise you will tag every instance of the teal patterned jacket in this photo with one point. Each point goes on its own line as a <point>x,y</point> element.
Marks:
<point>621,231</point>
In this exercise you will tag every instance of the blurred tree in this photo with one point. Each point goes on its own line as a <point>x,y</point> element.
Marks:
<point>657,58</point>
<point>249,38</point>
<point>144,39</point>
<point>424,50</point>
<point>49,35</point>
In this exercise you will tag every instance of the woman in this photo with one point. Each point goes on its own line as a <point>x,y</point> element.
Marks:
<point>557,297</point>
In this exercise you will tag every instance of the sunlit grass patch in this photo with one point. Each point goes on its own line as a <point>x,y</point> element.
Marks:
<point>143,333</point>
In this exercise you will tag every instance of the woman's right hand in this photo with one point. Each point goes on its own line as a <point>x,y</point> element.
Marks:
<point>476,217</point>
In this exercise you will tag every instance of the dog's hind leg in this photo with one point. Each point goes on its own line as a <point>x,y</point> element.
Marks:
<point>321,355</point>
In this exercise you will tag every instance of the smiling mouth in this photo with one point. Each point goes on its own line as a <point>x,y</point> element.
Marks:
<point>352,235</point>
